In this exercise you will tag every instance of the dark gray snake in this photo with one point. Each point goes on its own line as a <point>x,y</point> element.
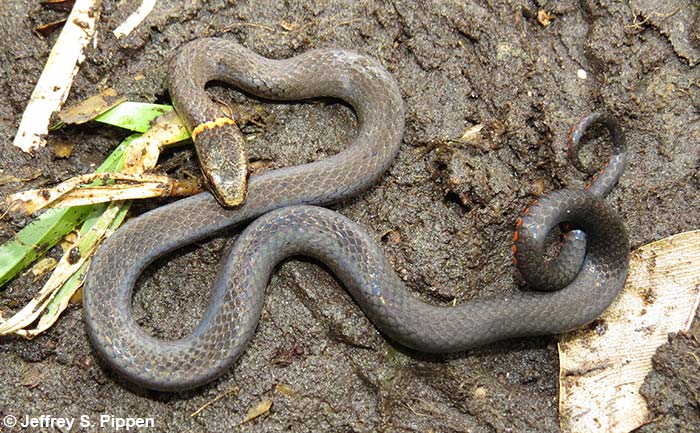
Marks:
<point>291,227</point>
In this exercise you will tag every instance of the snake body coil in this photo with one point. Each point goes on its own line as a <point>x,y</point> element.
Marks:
<point>349,251</point>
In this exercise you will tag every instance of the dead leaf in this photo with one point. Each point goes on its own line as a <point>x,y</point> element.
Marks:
<point>46,29</point>
<point>77,297</point>
<point>287,390</point>
<point>288,26</point>
<point>260,409</point>
<point>661,296</point>
<point>68,241</point>
<point>47,264</point>
<point>472,134</point>
<point>73,192</point>
<point>89,108</point>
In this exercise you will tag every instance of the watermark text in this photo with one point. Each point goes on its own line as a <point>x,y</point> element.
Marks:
<point>66,423</point>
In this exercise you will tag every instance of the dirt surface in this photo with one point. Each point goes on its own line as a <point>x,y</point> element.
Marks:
<point>444,212</point>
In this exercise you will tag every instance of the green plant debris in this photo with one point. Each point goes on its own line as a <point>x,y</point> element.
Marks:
<point>43,233</point>
<point>135,116</point>
<point>98,222</point>
<point>35,239</point>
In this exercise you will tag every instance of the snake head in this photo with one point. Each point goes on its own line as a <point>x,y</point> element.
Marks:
<point>224,160</point>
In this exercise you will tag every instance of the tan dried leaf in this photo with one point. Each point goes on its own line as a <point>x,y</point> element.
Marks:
<point>259,409</point>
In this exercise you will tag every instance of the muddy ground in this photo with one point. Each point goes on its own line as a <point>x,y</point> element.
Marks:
<point>444,212</point>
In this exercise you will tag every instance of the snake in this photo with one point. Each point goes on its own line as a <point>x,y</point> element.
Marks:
<point>287,220</point>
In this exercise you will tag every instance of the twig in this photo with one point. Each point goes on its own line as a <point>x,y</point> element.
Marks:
<point>214,400</point>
